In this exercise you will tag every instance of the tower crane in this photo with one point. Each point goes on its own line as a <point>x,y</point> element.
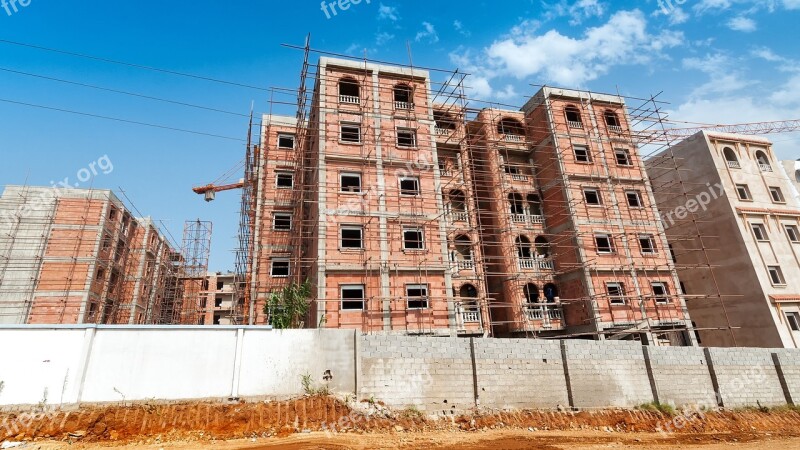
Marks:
<point>675,135</point>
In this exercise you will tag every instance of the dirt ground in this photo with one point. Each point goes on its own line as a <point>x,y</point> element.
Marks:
<point>302,423</point>
<point>493,439</point>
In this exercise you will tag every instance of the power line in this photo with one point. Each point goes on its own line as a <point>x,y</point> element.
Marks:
<point>138,66</point>
<point>97,116</point>
<point>117,91</point>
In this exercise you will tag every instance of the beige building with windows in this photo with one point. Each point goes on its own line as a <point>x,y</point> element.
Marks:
<point>741,272</point>
<point>792,169</point>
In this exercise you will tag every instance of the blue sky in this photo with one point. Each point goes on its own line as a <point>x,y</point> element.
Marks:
<point>716,61</point>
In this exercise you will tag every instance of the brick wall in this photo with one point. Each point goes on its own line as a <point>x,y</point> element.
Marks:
<point>681,376</point>
<point>789,361</point>
<point>609,373</point>
<point>520,373</point>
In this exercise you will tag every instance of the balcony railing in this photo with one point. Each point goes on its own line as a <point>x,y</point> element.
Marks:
<point>536,219</point>
<point>512,138</point>
<point>519,218</point>
<point>765,167</point>
<point>527,263</point>
<point>351,99</point>
<point>469,314</point>
<point>734,164</point>
<point>403,105</point>
<point>459,216</point>
<point>534,263</point>
<point>446,172</point>
<point>615,129</point>
<point>545,264</point>
<point>465,264</point>
<point>519,177</point>
<point>442,131</point>
<point>576,125</point>
<point>543,311</point>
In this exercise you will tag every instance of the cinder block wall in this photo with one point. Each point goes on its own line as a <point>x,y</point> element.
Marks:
<point>681,376</point>
<point>608,373</point>
<point>432,374</point>
<point>789,361</point>
<point>520,374</point>
<point>746,377</point>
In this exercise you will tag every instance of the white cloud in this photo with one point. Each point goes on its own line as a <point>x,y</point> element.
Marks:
<point>565,60</point>
<point>383,38</point>
<point>388,13</point>
<point>791,4</point>
<point>724,78</point>
<point>743,24</point>
<point>427,34</point>
<point>460,28</point>
<point>577,11</point>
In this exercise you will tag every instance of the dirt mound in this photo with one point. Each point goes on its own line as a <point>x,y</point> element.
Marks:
<point>204,421</point>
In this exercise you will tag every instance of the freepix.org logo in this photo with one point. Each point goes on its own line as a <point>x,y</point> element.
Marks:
<point>329,8</point>
<point>12,6</point>
<point>668,6</point>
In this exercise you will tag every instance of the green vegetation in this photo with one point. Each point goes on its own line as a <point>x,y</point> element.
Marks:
<point>665,409</point>
<point>288,308</point>
<point>308,386</point>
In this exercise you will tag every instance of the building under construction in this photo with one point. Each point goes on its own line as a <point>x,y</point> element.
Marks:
<point>411,211</point>
<point>76,256</point>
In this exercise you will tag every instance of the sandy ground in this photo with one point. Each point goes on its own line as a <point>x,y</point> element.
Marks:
<point>492,439</point>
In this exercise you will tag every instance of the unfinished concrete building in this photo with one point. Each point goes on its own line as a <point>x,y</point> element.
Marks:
<point>733,225</point>
<point>73,256</point>
<point>218,301</point>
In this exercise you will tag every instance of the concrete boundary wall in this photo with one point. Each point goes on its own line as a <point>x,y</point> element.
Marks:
<point>68,365</point>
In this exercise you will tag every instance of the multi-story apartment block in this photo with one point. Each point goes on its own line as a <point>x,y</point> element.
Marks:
<point>734,226</point>
<point>218,299</point>
<point>792,169</point>
<point>613,269</point>
<point>70,256</point>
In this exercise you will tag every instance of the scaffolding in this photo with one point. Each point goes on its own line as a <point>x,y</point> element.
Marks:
<point>196,250</point>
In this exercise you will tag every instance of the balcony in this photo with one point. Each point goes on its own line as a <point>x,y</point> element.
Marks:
<point>512,138</point>
<point>460,216</point>
<point>441,131</point>
<point>470,314</point>
<point>536,220</point>
<point>734,164</point>
<point>518,177</point>
<point>543,312</point>
<point>405,106</point>
<point>519,218</point>
<point>349,99</point>
<point>575,125</point>
<point>615,129</point>
<point>545,264</point>
<point>527,264</point>
<point>465,264</point>
<point>445,172</point>
<point>536,263</point>
<point>765,167</point>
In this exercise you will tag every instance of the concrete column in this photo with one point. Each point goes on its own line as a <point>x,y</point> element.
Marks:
<point>83,365</point>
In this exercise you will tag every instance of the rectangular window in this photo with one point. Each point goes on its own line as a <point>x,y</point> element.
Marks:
<point>777,195</point>
<point>759,232</point>
<point>286,141</point>
<point>106,242</point>
<point>660,292</point>
<point>776,276</point>
<point>284,180</point>
<point>592,197</point>
<point>350,182</point>
<point>616,293</point>
<point>406,137</point>
<point>623,157</point>
<point>743,192</point>
<point>352,237</point>
<point>417,296</point>
<point>647,243</point>
<point>603,243</point>
<point>353,297</point>
<point>282,222</point>
<point>793,319</point>
<point>413,239</point>
<point>279,267</point>
<point>409,186</point>
<point>792,233</point>
<point>582,154</point>
<point>634,199</point>
<point>350,132</point>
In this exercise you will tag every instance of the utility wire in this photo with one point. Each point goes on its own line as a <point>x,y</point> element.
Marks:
<point>133,94</point>
<point>138,66</point>
<point>116,119</point>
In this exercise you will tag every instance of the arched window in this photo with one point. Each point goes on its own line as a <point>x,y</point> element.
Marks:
<point>444,121</point>
<point>463,248</point>
<point>550,292</point>
<point>534,205</point>
<point>763,162</point>
<point>612,120</point>
<point>468,291</point>
<point>573,117</point>
<point>515,204</point>
<point>531,292</point>
<point>524,247</point>
<point>349,91</point>
<point>542,247</point>
<point>403,97</point>
<point>509,126</point>
<point>730,158</point>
